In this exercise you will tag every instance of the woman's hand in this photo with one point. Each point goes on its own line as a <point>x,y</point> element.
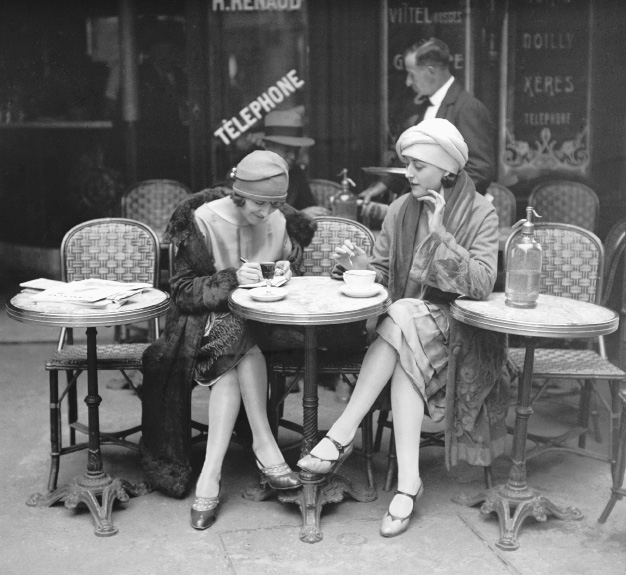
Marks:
<point>249,273</point>
<point>283,269</point>
<point>435,203</point>
<point>351,256</point>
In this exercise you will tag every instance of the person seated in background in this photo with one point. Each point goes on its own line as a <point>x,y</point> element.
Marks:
<point>437,242</point>
<point>284,135</point>
<point>440,95</point>
<point>204,343</point>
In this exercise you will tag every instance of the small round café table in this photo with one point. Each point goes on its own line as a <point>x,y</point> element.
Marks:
<point>312,301</point>
<point>553,317</point>
<point>147,305</point>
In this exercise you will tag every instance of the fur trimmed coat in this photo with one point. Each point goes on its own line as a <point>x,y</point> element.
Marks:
<point>197,289</point>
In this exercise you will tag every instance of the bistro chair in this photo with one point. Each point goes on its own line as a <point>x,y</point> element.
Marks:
<point>505,203</point>
<point>323,191</point>
<point>615,298</point>
<point>331,232</point>
<point>373,214</point>
<point>117,249</point>
<point>567,202</point>
<point>572,267</point>
<point>153,202</point>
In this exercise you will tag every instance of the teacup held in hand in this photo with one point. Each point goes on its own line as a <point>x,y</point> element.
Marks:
<point>359,280</point>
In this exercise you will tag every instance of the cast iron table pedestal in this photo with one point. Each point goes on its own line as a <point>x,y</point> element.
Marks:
<point>310,302</point>
<point>94,482</point>
<point>553,317</point>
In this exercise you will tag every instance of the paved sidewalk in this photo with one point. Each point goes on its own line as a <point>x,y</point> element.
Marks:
<point>262,537</point>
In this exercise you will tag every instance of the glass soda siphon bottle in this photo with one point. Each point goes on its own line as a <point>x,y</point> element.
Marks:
<point>344,202</point>
<point>523,265</point>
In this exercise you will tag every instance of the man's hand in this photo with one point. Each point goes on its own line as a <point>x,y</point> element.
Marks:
<point>373,191</point>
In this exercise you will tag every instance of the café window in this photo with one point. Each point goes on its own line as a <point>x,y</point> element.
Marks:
<point>258,63</point>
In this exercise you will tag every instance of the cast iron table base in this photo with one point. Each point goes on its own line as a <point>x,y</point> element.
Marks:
<point>86,489</point>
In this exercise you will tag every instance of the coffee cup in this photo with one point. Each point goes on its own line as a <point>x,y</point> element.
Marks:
<point>359,280</point>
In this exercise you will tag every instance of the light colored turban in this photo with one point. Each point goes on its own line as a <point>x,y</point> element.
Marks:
<point>435,141</point>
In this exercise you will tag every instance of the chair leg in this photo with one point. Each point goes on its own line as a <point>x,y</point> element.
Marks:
<point>276,391</point>
<point>55,431</point>
<point>383,417</point>
<point>488,476</point>
<point>392,462</point>
<point>367,441</point>
<point>72,405</point>
<point>617,491</point>
<point>583,412</point>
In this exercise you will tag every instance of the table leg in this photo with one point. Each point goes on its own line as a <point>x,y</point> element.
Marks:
<point>515,494</point>
<point>94,482</point>
<point>317,490</point>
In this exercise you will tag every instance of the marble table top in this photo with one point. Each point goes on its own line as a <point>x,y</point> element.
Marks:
<point>310,300</point>
<point>552,317</point>
<point>148,304</point>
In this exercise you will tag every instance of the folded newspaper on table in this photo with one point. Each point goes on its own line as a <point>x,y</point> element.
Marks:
<point>95,293</point>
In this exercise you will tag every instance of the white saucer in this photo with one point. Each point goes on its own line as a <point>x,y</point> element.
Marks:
<point>374,290</point>
<point>263,294</point>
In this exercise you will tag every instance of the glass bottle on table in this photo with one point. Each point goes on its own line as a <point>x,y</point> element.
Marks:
<point>523,265</point>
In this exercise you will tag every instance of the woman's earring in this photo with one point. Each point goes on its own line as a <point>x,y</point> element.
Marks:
<point>448,180</point>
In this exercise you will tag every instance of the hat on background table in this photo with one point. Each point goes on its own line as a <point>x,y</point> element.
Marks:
<point>262,176</point>
<point>286,127</point>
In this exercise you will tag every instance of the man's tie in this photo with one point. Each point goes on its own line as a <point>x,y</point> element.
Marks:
<point>422,106</point>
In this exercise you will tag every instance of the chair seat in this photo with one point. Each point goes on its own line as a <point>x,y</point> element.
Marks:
<point>287,364</point>
<point>575,363</point>
<point>110,357</point>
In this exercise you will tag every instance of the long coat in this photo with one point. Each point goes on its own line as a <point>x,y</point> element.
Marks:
<point>197,290</point>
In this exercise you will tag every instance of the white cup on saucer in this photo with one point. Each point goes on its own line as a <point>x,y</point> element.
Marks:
<point>359,280</point>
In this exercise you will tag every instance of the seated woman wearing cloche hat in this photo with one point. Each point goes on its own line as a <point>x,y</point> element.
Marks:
<point>438,242</point>
<point>204,343</point>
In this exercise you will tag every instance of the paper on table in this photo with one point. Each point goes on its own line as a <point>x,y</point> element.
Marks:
<point>94,292</point>
<point>42,284</point>
<point>276,282</point>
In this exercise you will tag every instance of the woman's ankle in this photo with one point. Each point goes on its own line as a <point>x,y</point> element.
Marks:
<point>208,485</point>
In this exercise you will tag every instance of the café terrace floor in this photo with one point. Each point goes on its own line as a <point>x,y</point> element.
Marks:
<point>262,537</point>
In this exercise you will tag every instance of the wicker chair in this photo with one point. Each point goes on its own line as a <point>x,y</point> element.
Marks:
<point>331,232</point>
<point>116,249</point>
<point>567,202</point>
<point>152,202</point>
<point>505,204</point>
<point>373,214</point>
<point>572,266</point>
<point>323,191</point>
<point>615,297</point>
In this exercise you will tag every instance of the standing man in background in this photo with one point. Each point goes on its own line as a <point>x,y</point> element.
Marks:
<point>440,95</point>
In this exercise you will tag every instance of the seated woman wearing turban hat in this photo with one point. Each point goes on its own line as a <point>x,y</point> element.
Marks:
<point>438,242</point>
<point>204,343</point>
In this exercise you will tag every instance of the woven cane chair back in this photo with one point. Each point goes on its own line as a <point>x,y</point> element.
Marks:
<point>572,263</point>
<point>373,214</point>
<point>323,191</point>
<point>505,203</point>
<point>153,202</point>
<point>614,248</point>
<point>332,232</point>
<point>117,249</point>
<point>567,202</point>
